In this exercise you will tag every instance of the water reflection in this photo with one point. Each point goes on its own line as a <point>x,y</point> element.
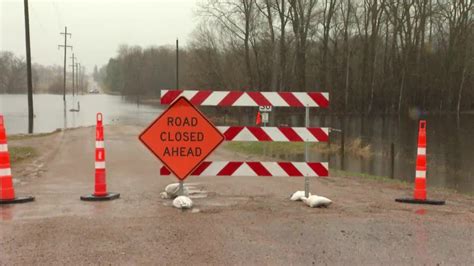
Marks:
<point>50,112</point>
<point>450,146</point>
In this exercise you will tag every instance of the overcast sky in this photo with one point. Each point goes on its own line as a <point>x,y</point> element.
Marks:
<point>98,27</point>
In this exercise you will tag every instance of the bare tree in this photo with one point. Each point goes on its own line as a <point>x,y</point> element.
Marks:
<point>302,18</point>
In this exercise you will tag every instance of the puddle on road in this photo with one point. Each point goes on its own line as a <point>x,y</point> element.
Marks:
<point>39,209</point>
<point>205,199</point>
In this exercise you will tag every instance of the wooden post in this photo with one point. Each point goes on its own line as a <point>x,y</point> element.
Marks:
<point>342,148</point>
<point>28,69</point>
<point>392,160</point>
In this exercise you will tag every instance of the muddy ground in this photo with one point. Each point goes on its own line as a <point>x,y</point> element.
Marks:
<point>236,220</point>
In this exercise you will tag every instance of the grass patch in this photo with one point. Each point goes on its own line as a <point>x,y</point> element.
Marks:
<point>388,180</point>
<point>341,173</point>
<point>18,154</point>
<point>356,147</point>
<point>279,148</point>
<point>30,136</point>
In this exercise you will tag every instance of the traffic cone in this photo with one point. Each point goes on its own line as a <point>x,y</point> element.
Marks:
<point>419,195</point>
<point>7,192</point>
<point>258,120</point>
<point>100,192</point>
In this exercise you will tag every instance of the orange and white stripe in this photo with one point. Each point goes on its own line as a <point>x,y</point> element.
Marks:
<point>5,169</point>
<point>248,98</point>
<point>281,169</point>
<point>5,172</point>
<point>3,147</point>
<point>275,134</point>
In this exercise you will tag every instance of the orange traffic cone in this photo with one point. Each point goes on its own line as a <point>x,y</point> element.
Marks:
<point>7,192</point>
<point>258,120</point>
<point>100,192</point>
<point>419,195</point>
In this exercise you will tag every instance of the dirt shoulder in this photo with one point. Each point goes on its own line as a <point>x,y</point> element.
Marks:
<point>236,220</point>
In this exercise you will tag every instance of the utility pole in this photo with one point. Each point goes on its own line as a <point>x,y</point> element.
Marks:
<point>177,64</point>
<point>28,69</point>
<point>65,46</point>
<point>83,71</point>
<point>73,78</point>
<point>81,83</point>
<point>78,87</point>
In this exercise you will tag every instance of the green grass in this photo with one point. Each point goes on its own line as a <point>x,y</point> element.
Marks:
<point>278,148</point>
<point>29,136</point>
<point>342,173</point>
<point>386,179</point>
<point>18,154</point>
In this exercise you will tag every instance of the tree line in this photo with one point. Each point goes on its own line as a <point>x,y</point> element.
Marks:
<point>46,79</point>
<point>372,56</point>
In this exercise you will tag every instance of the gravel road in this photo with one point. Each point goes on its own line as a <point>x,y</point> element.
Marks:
<point>236,220</point>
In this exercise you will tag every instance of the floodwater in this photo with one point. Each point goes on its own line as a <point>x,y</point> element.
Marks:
<point>49,112</point>
<point>450,146</point>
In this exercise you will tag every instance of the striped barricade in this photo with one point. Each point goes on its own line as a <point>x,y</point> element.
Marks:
<point>275,134</point>
<point>250,98</point>
<point>283,169</point>
<point>261,134</point>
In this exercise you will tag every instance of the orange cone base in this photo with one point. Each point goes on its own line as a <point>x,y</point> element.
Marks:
<point>108,196</point>
<point>17,200</point>
<point>417,201</point>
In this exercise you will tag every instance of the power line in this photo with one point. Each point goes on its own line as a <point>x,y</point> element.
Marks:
<point>58,14</point>
<point>77,78</point>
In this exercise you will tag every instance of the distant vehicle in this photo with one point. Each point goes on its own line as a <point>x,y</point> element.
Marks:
<point>93,91</point>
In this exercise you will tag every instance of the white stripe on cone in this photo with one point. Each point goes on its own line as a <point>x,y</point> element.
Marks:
<point>99,144</point>
<point>3,147</point>
<point>420,174</point>
<point>421,151</point>
<point>5,172</point>
<point>99,165</point>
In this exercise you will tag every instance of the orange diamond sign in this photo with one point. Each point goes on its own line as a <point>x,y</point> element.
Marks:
<point>181,137</point>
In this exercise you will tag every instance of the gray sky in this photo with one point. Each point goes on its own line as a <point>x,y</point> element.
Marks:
<point>98,27</point>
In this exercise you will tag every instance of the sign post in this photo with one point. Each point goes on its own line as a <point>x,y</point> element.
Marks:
<point>306,153</point>
<point>181,137</point>
<point>265,110</point>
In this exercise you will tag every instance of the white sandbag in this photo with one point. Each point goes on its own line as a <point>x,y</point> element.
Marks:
<point>164,195</point>
<point>298,196</point>
<point>317,201</point>
<point>172,190</point>
<point>183,202</point>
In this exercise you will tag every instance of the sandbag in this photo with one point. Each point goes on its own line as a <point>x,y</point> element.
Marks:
<point>164,195</point>
<point>316,201</point>
<point>298,195</point>
<point>183,202</point>
<point>173,189</point>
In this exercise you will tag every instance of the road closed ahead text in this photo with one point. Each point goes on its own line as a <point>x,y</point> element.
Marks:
<point>181,137</point>
<point>178,134</point>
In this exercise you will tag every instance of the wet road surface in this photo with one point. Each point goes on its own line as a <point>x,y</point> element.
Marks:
<point>236,220</point>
